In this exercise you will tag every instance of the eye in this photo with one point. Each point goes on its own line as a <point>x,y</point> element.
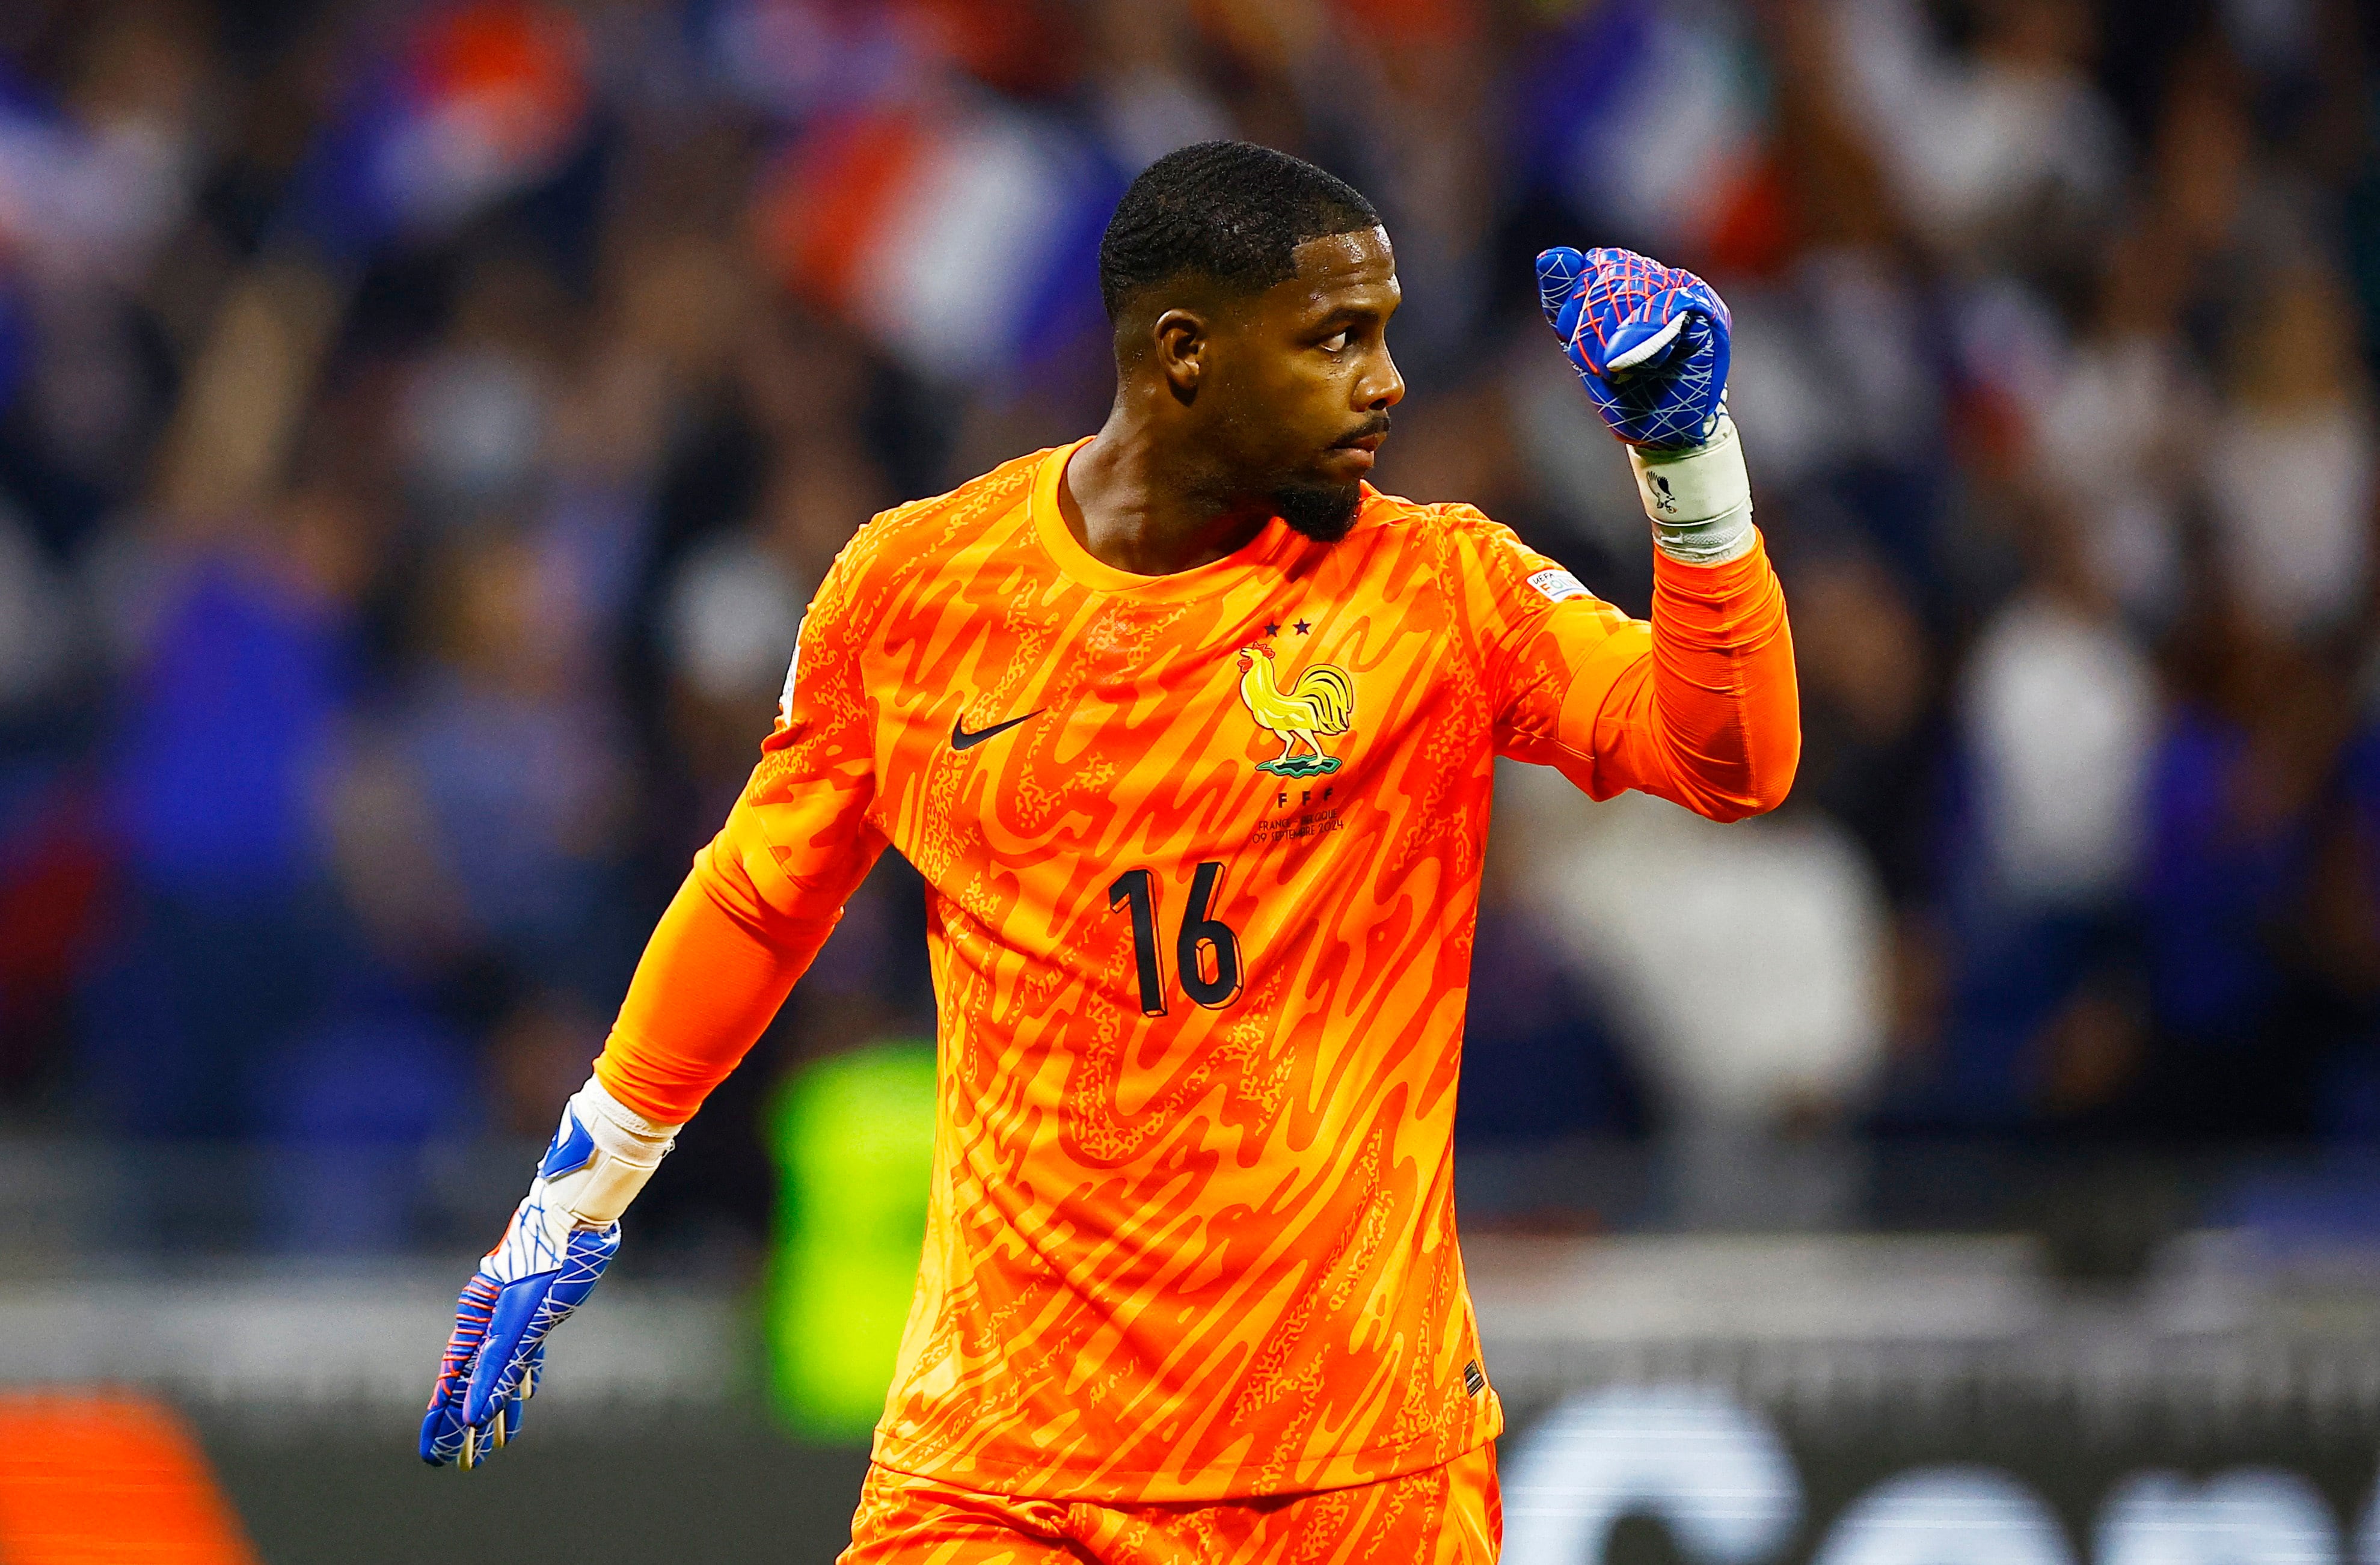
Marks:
<point>1336,341</point>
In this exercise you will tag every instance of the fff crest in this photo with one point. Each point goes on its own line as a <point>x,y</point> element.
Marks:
<point>1319,704</point>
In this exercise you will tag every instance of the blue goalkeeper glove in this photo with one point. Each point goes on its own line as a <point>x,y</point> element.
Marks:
<point>1650,344</point>
<point>561,1237</point>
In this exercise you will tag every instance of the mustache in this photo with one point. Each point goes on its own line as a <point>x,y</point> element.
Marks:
<point>1375,425</point>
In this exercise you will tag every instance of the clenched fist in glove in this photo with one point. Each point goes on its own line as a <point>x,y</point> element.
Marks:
<point>1650,344</point>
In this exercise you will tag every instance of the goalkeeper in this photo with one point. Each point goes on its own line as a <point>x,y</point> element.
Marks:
<point>1191,732</point>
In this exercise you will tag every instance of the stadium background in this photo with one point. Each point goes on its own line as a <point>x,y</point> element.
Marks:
<point>421,425</point>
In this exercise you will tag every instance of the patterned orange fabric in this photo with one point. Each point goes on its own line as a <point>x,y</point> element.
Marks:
<point>1449,1516</point>
<point>1203,855</point>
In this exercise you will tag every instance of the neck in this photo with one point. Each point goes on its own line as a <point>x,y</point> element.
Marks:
<point>1139,503</point>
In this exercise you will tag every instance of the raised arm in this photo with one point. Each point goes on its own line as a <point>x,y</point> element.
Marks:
<point>1699,705</point>
<point>1706,714</point>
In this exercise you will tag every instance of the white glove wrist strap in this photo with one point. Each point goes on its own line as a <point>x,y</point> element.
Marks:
<point>615,1126</point>
<point>628,1147</point>
<point>1699,499</point>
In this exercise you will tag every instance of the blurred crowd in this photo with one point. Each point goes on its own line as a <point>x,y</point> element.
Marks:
<point>423,424</point>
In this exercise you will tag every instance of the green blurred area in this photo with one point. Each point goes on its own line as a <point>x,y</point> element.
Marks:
<point>852,1138</point>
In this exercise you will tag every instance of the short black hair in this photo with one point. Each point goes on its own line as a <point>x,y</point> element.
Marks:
<point>1231,212</point>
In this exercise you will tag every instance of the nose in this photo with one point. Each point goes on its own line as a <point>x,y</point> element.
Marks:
<point>1382,387</point>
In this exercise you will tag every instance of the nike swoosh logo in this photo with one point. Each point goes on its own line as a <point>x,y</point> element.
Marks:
<point>961,740</point>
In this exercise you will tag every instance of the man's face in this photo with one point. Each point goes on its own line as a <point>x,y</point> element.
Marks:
<point>1301,382</point>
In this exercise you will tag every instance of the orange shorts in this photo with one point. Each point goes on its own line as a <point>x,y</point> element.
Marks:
<point>1449,1516</point>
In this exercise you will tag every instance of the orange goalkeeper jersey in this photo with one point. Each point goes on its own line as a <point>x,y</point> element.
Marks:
<point>1203,856</point>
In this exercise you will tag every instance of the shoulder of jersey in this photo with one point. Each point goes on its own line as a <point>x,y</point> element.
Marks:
<point>1461,536</point>
<point>1395,510</point>
<point>1431,522</point>
<point>917,529</point>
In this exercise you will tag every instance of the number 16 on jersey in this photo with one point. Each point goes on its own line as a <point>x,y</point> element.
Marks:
<point>1206,950</point>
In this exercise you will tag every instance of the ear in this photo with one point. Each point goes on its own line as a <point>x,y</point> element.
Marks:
<point>1182,342</point>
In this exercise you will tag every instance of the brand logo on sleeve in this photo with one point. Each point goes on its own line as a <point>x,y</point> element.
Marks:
<point>1557,585</point>
<point>1319,704</point>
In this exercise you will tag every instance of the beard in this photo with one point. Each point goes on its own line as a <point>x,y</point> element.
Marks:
<point>1323,512</point>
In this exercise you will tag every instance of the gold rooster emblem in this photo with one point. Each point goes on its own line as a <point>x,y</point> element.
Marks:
<point>1322,701</point>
